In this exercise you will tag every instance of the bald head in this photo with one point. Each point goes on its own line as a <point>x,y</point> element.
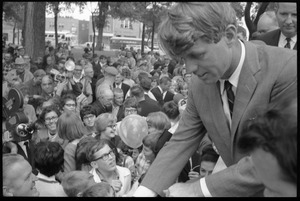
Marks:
<point>267,22</point>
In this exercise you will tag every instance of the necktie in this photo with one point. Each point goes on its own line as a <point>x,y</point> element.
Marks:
<point>288,44</point>
<point>230,95</point>
<point>27,148</point>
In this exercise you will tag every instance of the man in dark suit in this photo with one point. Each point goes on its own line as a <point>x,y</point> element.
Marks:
<point>161,92</point>
<point>286,35</point>
<point>233,82</point>
<point>147,105</point>
<point>119,84</point>
<point>97,67</point>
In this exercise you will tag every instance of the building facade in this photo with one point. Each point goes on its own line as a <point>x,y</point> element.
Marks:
<point>116,28</point>
<point>79,28</point>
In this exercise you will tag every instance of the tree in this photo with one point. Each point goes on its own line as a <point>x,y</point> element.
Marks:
<point>13,13</point>
<point>100,23</point>
<point>34,29</point>
<point>57,7</point>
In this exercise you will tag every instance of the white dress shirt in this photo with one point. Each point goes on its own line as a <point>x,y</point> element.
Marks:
<point>282,41</point>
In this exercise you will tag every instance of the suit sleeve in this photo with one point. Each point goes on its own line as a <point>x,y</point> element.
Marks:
<point>237,180</point>
<point>174,155</point>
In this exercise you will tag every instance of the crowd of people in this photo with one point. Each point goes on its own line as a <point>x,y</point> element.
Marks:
<point>145,124</point>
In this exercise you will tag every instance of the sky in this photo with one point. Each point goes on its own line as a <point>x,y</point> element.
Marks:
<point>84,15</point>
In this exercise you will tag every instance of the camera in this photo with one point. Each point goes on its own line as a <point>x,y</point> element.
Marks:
<point>57,76</point>
<point>25,130</point>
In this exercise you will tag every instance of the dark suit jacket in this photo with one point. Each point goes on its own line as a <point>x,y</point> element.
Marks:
<point>124,87</point>
<point>272,38</point>
<point>30,154</point>
<point>97,70</point>
<point>267,76</point>
<point>100,108</point>
<point>168,97</point>
<point>159,96</point>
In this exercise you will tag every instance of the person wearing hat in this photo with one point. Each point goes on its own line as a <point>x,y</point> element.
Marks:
<point>20,52</point>
<point>108,80</point>
<point>23,73</point>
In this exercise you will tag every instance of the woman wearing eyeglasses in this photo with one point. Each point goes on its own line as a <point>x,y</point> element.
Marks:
<point>104,168</point>
<point>48,118</point>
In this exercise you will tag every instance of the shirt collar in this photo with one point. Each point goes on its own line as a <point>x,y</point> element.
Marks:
<point>77,80</point>
<point>234,78</point>
<point>282,40</point>
<point>41,176</point>
<point>160,89</point>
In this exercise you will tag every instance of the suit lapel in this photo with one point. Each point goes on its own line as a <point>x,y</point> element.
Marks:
<point>295,47</point>
<point>217,113</point>
<point>246,86</point>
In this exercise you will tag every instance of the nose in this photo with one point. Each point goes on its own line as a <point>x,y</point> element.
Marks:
<point>289,19</point>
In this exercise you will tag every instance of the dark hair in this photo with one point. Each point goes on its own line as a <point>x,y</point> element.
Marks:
<point>67,96</point>
<point>171,110</point>
<point>209,154</point>
<point>81,151</point>
<point>242,30</point>
<point>87,109</point>
<point>48,109</point>
<point>157,64</point>
<point>102,57</point>
<point>150,141</point>
<point>145,83</point>
<point>137,91</point>
<point>131,102</point>
<point>275,132</point>
<point>70,57</point>
<point>99,145</point>
<point>142,74</point>
<point>48,157</point>
<point>51,48</point>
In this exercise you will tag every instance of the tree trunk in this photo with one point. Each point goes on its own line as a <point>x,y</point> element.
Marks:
<point>34,32</point>
<point>29,28</point>
<point>103,8</point>
<point>94,32</point>
<point>143,37</point>
<point>14,34</point>
<point>153,32</point>
<point>55,29</point>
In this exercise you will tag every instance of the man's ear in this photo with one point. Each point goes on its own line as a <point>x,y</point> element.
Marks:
<point>230,35</point>
<point>94,164</point>
<point>7,192</point>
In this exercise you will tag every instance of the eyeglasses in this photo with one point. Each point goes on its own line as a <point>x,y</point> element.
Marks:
<point>105,156</point>
<point>112,126</point>
<point>88,117</point>
<point>49,119</point>
<point>130,110</point>
<point>70,105</point>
